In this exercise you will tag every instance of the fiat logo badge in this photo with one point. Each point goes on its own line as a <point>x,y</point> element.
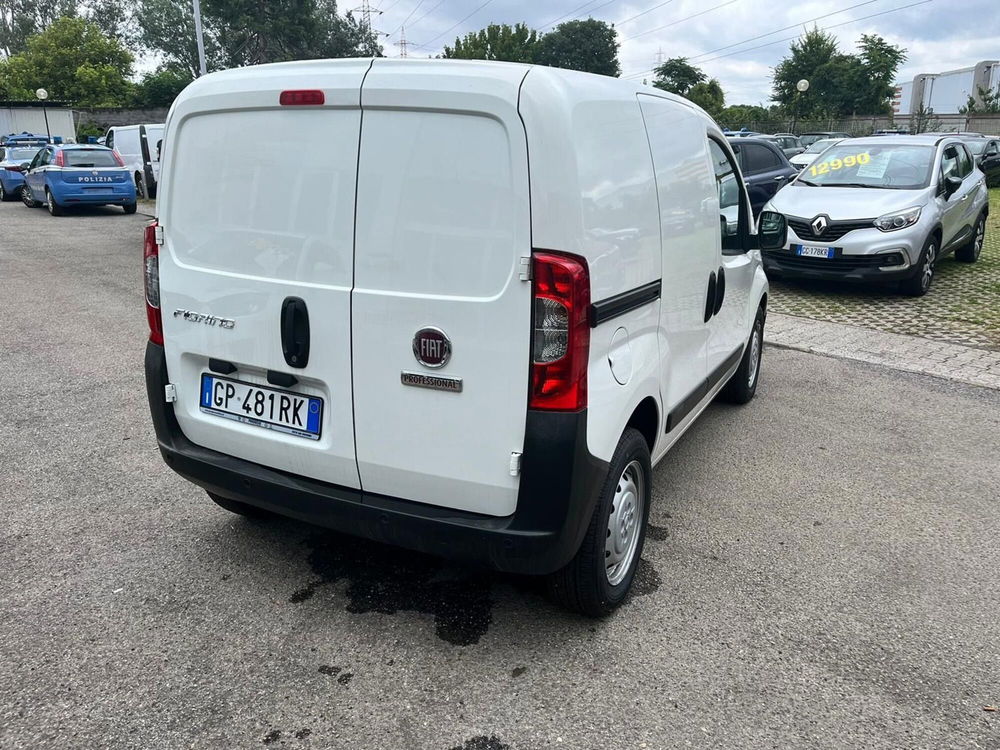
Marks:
<point>431,347</point>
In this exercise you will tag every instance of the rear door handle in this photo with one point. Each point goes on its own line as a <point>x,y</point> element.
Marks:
<point>780,178</point>
<point>295,332</point>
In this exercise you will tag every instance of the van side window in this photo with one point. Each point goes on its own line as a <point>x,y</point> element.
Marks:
<point>110,140</point>
<point>758,158</point>
<point>727,183</point>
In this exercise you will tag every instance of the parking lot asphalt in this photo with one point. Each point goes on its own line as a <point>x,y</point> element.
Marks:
<point>821,571</point>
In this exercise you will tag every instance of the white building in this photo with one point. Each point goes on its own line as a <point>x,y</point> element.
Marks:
<point>946,92</point>
<point>20,117</point>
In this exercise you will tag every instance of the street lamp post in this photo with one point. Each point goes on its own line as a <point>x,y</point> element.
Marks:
<point>800,88</point>
<point>42,95</point>
<point>199,36</point>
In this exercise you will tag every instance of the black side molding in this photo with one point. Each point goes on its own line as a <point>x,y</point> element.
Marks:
<point>620,304</point>
<point>684,408</point>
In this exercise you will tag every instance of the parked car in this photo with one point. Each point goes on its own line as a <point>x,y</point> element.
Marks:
<point>63,176</point>
<point>807,139</point>
<point>382,347</point>
<point>139,146</point>
<point>789,144</point>
<point>12,159</point>
<point>765,168</point>
<point>986,153</point>
<point>816,148</point>
<point>884,208</point>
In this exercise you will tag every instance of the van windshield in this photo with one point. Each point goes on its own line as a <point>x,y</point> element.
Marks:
<point>87,157</point>
<point>890,167</point>
<point>822,145</point>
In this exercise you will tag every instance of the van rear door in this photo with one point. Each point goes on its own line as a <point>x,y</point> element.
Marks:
<point>442,227</point>
<point>257,208</point>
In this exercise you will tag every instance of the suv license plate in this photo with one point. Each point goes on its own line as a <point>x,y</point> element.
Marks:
<point>811,251</point>
<point>273,409</point>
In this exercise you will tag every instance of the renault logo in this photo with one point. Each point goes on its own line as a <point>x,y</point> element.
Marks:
<point>819,224</point>
<point>431,347</point>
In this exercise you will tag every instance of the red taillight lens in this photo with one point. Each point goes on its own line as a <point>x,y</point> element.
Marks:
<point>118,158</point>
<point>151,283</point>
<point>14,169</point>
<point>561,341</point>
<point>60,160</point>
<point>304,98</point>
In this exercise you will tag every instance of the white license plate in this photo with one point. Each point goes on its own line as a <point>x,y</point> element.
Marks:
<point>810,251</point>
<point>260,406</point>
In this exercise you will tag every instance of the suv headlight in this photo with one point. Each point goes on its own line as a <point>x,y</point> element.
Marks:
<point>898,220</point>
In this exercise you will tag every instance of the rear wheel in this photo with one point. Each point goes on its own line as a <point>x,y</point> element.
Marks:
<point>54,208</point>
<point>969,253</point>
<point>129,208</point>
<point>140,187</point>
<point>743,384</point>
<point>235,506</point>
<point>598,578</point>
<point>920,282</point>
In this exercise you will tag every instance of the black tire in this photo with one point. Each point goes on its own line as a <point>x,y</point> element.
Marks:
<point>26,198</point>
<point>969,252</point>
<point>919,283</point>
<point>129,208</point>
<point>240,509</point>
<point>4,195</point>
<point>140,187</point>
<point>743,384</point>
<point>584,585</point>
<point>54,208</point>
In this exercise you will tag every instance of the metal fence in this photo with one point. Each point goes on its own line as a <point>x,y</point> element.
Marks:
<point>986,124</point>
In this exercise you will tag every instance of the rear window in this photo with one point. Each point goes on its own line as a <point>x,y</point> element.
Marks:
<point>757,158</point>
<point>85,157</point>
<point>21,154</point>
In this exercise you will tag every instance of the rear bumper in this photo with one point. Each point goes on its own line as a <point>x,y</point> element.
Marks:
<point>560,483</point>
<point>65,195</point>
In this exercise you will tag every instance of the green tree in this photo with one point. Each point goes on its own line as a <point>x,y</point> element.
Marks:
<point>74,61</point>
<point>112,17</point>
<point>839,84</point>
<point>160,88</point>
<point>988,102</point>
<point>167,27</point>
<point>588,45</point>
<point>496,42</point>
<point>736,116</point>
<point>19,19</point>
<point>709,96</point>
<point>678,76</point>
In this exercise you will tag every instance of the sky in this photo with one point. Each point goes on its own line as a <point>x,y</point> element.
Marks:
<point>719,36</point>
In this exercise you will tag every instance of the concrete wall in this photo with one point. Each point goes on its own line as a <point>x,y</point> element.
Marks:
<point>32,120</point>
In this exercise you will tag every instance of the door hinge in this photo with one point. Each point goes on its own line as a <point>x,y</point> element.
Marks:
<point>525,270</point>
<point>170,393</point>
<point>515,463</point>
<point>158,234</point>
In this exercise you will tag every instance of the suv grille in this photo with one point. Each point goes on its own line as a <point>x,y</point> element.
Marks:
<point>834,231</point>
<point>786,260</point>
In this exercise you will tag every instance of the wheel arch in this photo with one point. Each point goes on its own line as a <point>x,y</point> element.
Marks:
<point>646,419</point>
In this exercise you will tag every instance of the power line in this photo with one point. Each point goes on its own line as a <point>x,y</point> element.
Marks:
<point>585,13</point>
<point>436,6</point>
<point>790,38</point>
<point>784,28</point>
<point>415,7</point>
<point>453,26</point>
<point>680,20</point>
<point>564,15</point>
<point>637,15</point>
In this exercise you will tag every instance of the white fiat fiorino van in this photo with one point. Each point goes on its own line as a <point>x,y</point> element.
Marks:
<point>460,307</point>
<point>139,147</point>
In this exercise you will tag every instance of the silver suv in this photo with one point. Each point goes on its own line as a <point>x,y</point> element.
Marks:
<point>881,209</point>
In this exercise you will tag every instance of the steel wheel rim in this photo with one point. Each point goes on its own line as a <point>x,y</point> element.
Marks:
<point>754,357</point>
<point>980,235</point>
<point>624,523</point>
<point>26,196</point>
<point>3,193</point>
<point>928,270</point>
<point>50,203</point>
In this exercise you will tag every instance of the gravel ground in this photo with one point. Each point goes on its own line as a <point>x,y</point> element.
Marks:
<point>821,571</point>
<point>962,307</point>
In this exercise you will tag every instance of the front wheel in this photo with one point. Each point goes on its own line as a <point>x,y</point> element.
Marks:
<point>969,253</point>
<point>919,283</point>
<point>743,384</point>
<point>596,581</point>
<point>26,198</point>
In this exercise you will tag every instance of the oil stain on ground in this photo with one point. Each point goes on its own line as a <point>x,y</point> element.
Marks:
<point>388,580</point>
<point>483,743</point>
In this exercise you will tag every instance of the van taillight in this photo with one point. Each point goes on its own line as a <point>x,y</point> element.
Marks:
<point>302,98</point>
<point>118,158</point>
<point>561,338</point>
<point>151,283</point>
<point>60,159</point>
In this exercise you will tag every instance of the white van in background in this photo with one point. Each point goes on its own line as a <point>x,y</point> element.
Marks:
<point>140,147</point>
<point>469,323</point>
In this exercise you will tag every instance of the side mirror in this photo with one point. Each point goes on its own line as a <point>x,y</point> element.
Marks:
<point>772,231</point>
<point>951,185</point>
<point>26,166</point>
